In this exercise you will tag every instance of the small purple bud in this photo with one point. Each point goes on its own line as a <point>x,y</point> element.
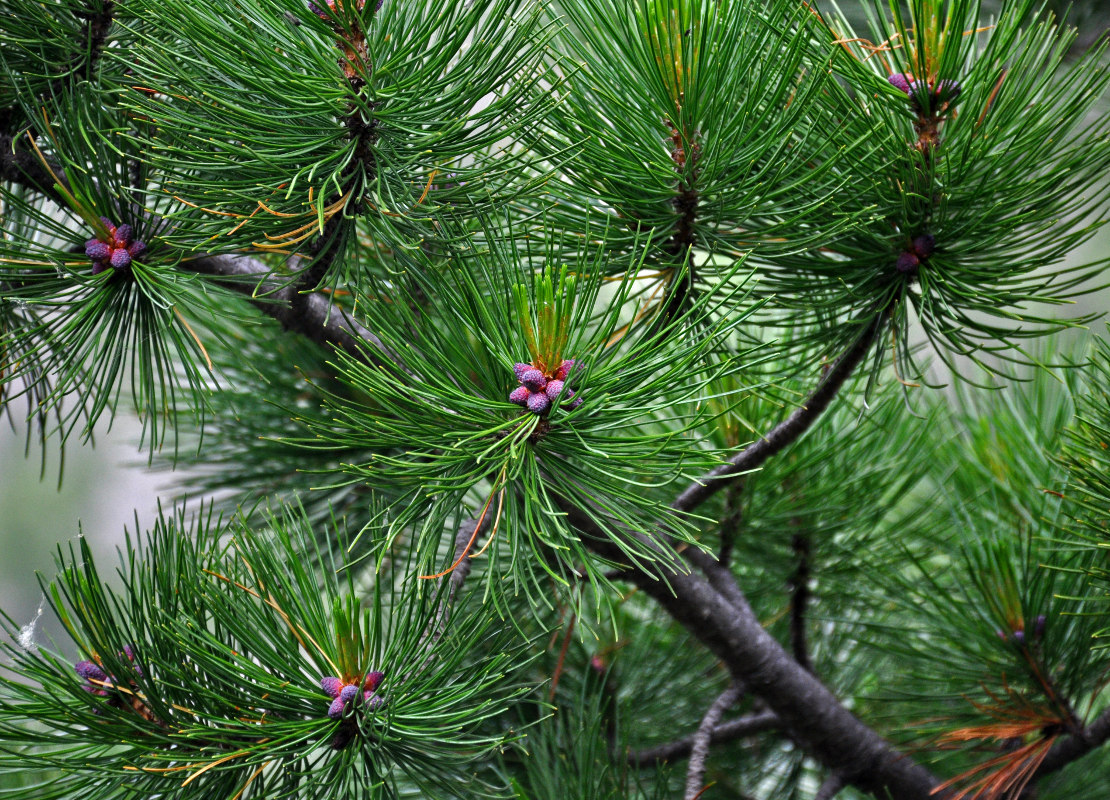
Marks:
<point>534,380</point>
<point>564,369</point>
<point>373,701</point>
<point>108,224</point>
<point>538,403</point>
<point>1019,637</point>
<point>917,86</point>
<point>924,245</point>
<point>552,389</point>
<point>907,262</point>
<point>120,259</point>
<point>1039,625</point>
<point>335,710</point>
<point>378,7</point>
<point>520,395</point>
<point>97,250</point>
<point>373,680</point>
<point>136,249</point>
<point>898,81</point>
<point>122,235</point>
<point>571,401</point>
<point>331,686</point>
<point>520,368</point>
<point>348,693</point>
<point>948,89</point>
<point>90,671</point>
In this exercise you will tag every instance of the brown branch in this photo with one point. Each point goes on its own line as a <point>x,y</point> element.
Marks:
<point>24,168</point>
<point>1071,747</point>
<point>790,429</point>
<point>723,732</point>
<point>699,748</point>
<point>799,582</point>
<point>730,525</point>
<point>725,623</point>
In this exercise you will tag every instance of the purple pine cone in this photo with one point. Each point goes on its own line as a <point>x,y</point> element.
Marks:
<point>122,235</point>
<point>924,245</point>
<point>97,250</point>
<point>564,370</point>
<point>373,680</point>
<point>120,259</point>
<point>552,389</point>
<point>373,701</point>
<point>1019,637</point>
<point>907,262</point>
<point>571,401</point>
<point>538,403</point>
<point>534,380</point>
<point>378,7</point>
<point>520,395</point>
<point>1039,625</point>
<point>108,224</point>
<point>348,693</point>
<point>90,671</point>
<point>335,710</point>
<point>331,686</point>
<point>947,89</point>
<point>898,81</point>
<point>136,249</point>
<point>520,368</point>
<point>917,86</point>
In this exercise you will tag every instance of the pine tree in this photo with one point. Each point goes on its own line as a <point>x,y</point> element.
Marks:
<point>582,399</point>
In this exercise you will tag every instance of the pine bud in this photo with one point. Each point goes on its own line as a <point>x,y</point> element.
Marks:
<point>120,259</point>
<point>898,81</point>
<point>90,671</point>
<point>924,245</point>
<point>108,224</point>
<point>538,403</point>
<point>122,236</point>
<point>136,249</point>
<point>335,710</point>
<point>331,686</point>
<point>534,380</point>
<point>552,389</point>
<point>907,262</point>
<point>373,702</point>
<point>1039,626</point>
<point>97,250</point>
<point>570,401</point>
<point>1019,637</point>
<point>520,368</point>
<point>348,693</point>
<point>564,369</point>
<point>520,395</point>
<point>373,680</point>
<point>947,89</point>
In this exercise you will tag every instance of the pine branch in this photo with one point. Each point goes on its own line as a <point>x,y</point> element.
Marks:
<point>725,623</point>
<point>722,732</point>
<point>1071,748</point>
<point>730,525</point>
<point>790,429</point>
<point>799,581</point>
<point>699,748</point>
<point>830,788</point>
<point>25,169</point>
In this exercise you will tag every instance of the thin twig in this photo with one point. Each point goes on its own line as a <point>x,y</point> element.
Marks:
<point>722,732</point>
<point>790,429</point>
<point>699,749</point>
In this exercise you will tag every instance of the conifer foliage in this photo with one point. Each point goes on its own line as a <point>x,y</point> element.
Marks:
<point>558,391</point>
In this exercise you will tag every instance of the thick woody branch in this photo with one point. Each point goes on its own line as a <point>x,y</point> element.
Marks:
<point>799,601</point>
<point>790,429</point>
<point>830,788</point>
<point>722,732</point>
<point>1072,748</point>
<point>24,168</point>
<point>810,714</point>
<point>699,749</point>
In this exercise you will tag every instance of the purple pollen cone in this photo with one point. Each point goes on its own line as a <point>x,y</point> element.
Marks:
<point>136,249</point>
<point>564,369</point>
<point>120,259</point>
<point>335,710</point>
<point>331,686</point>
<point>373,701</point>
<point>907,262</point>
<point>122,235</point>
<point>1019,637</point>
<point>373,680</point>
<point>898,81</point>
<point>520,395</point>
<point>108,224</point>
<point>348,693</point>
<point>552,389</point>
<point>924,245</point>
<point>534,380</point>
<point>520,368</point>
<point>538,403</point>
<point>97,250</point>
<point>90,671</point>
